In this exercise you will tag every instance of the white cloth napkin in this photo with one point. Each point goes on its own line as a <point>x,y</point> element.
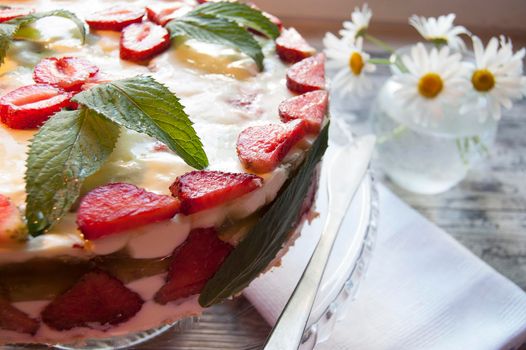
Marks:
<point>423,290</point>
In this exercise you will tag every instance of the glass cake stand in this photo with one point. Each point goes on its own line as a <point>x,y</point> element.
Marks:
<point>236,324</point>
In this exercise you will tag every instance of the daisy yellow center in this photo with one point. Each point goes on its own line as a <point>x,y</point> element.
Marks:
<point>430,85</point>
<point>483,80</point>
<point>356,63</point>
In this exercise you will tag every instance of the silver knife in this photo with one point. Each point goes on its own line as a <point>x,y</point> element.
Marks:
<point>346,170</point>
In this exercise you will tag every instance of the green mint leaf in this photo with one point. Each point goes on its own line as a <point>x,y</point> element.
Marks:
<point>69,147</point>
<point>240,13</point>
<point>253,255</point>
<point>9,29</point>
<point>147,106</point>
<point>217,31</point>
<point>7,32</point>
<point>31,18</point>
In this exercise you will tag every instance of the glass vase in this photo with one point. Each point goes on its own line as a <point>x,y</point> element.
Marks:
<point>430,158</point>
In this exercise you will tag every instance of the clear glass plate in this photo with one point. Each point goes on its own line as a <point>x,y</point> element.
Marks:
<point>237,324</point>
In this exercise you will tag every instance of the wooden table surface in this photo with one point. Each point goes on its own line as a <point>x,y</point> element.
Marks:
<point>486,213</point>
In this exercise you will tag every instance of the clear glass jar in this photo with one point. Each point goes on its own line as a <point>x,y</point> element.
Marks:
<point>428,159</point>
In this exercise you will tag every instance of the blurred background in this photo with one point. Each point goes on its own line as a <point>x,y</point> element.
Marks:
<point>483,17</point>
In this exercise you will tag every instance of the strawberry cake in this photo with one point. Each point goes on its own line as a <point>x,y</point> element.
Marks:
<point>148,170</point>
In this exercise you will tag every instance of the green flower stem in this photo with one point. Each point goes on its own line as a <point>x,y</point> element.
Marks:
<point>385,61</point>
<point>395,133</point>
<point>380,43</point>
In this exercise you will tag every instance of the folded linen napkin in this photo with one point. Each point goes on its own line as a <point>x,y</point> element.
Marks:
<point>423,290</point>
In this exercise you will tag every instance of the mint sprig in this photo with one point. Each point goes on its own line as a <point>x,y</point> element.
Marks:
<point>9,29</point>
<point>226,23</point>
<point>71,146</point>
<point>242,14</point>
<point>261,245</point>
<point>147,106</point>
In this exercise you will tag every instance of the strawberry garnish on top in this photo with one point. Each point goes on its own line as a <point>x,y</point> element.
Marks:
<point>97,298</point>
<point>310,107</point>
<point>115,18</point>
<point>262,148</point>
<point>307,75</point>
<point>193,263</point>
<point>68,73</point>
<point>291,47</point>
<point>163,15</point>
<point>203,189</point>
<point>119,206</point>
<point>12,319</point>
<point>142,41</point>
<point>12,227</point>
<point>30,106</point>
<point>9,13</point>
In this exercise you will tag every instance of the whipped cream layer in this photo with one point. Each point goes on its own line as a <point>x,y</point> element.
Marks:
<point>222,91</point>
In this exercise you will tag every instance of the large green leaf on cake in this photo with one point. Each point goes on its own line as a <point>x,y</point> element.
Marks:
<point>261,245</point>
<point>71,146</point>
<point>9,29</point>
<point>240,13</point>
<point>226,23</point>
<point>147,106</point>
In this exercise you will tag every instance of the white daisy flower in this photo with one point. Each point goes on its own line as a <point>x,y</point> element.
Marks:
<point>346,55</point>
<point>432,80</point>
<point>440,30</point>
<point>359,22</point>
<point>496,77</point>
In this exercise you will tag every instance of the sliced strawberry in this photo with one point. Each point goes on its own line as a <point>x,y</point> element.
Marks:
<point>200,190</point>
<point>117,207</point>
<point>68,73</point>
<point>12,319</point>
<point>310,107</point>
<point>163,15</point>
<point>141,41</point>
<point>12,228</point>
<point>97,298</point>
<point>30,106</point>
<point>262,148</point>
<point>291,47</point>
<point>193,263</point>
<point>307,75</point>
<point>114,18</point>
<point>9,13</point>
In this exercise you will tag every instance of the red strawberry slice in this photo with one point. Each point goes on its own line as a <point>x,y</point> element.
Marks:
<point>115,18</point>
<point>193,263</point>
<point>200,190</point>
<point>68,73</point>
<point>12,319</point>
<point>164,15</point>
<point>310,107</point>
<point>262,148</point>
<point>12,228</point>
<point>97,298</point>
<point>307,75</point>
<point>117,207</point>
<point>291,47</point>
<point>142,41</point>
<point>9,13</point>
<point>30,106</point>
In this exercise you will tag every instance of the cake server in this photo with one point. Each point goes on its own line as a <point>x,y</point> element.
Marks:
<point>344,176</point>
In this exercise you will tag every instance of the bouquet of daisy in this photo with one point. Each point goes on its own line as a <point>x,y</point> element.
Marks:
<point>429,75</point>
<point>438,111</point>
